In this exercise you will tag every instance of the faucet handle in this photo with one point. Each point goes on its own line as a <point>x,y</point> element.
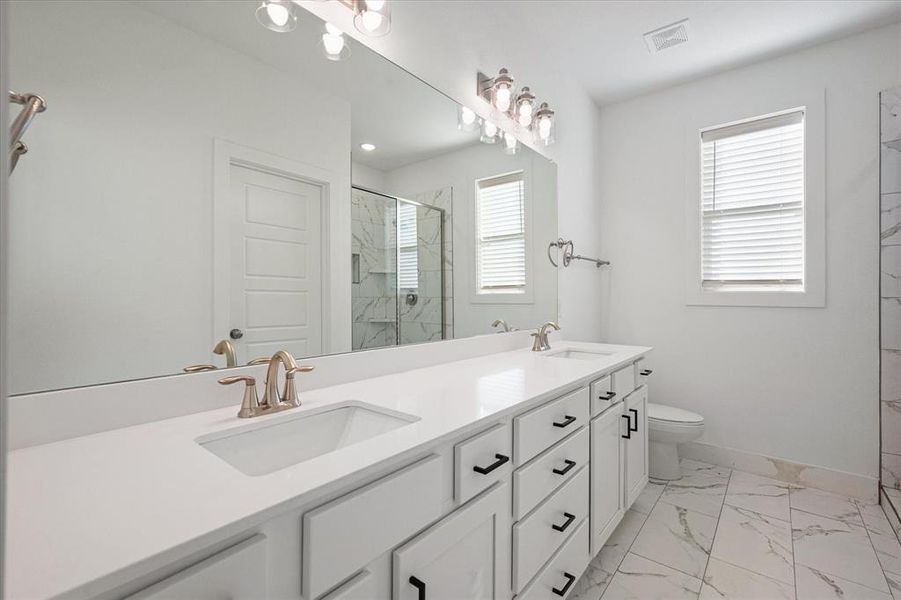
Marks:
<point>289,393</point>
<point>199,368</point>
<point>250,403</point>
<point>262,360</point>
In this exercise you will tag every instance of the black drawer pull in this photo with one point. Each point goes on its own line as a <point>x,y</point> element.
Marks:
<point>419,585</point>
<point>569,420</point>
<point>609,396</point>
<point>569,467</point>
<point>634,411</point>
<point>501,460</point>
<point>569,521</point>
<point>628,434</point>
<point>570,580</point>
<point>646,372</point>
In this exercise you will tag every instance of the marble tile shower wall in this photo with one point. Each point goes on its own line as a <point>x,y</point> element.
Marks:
<point>890,287</point>
<point>422,321</point>
<point>374,298</point>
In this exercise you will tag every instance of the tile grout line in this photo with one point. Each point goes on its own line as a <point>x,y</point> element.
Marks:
<point>791,531</point>
<point>715,529</point>
<point>878,561</point>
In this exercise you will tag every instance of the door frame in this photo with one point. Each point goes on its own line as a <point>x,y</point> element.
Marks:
<point>226,154</point>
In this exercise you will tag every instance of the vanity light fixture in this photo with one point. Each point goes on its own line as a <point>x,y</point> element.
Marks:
<point>489,132</point>
<point>467,119</point>
<point>525,106</point>
<point>372,17</point>
<point>277,15</point>
<point>544,130</point>
<point>367,147</point>
<point>334,46</point>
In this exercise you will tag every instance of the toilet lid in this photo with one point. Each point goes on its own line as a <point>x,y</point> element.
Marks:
<point>661,412</point>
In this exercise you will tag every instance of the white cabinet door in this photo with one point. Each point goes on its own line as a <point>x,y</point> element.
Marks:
<point>608,454</point>
<point>465,555</point>
<point>636,408</point>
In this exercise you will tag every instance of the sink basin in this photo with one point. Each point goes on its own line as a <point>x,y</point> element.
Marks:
<point>578,354</point>
<point>277,444</point>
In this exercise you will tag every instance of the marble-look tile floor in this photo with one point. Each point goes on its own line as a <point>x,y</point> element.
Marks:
<point>723,534</point>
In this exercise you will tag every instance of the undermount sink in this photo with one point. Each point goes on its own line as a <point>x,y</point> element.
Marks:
<point>274,445</point>
<point>578,354</point>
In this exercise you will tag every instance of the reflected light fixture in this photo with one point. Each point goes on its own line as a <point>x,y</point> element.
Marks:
<point>489,132</point>
<point>467,119</point>
<point>511,144</point>
<point>372,17</point>
<point>277,15</point>
<point>367,147</point>
<point>544,131</point>
<point>525,105</point>
<point>334,46</point>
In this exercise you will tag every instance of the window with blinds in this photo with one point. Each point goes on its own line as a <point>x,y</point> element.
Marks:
<point>501,234</point>
<point>752,204</point>
<point>407,249</point>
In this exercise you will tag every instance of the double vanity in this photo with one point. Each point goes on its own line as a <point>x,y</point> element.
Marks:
<point>495,476</point>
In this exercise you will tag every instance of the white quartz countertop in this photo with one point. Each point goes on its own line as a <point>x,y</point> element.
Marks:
<point>88,514</point>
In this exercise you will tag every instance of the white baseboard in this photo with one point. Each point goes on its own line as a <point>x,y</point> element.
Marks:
<point>837,482</point>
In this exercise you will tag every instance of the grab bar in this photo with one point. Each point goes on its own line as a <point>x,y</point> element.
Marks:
<point>32,104</point>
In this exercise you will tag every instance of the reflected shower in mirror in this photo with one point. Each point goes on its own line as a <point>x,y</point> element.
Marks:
<point>201,192</point>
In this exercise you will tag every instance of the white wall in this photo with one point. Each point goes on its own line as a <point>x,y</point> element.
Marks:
<point>367,177</point>
<point>446,44</point>
<point>793,383</point>
<point>460,170</point>
<point>121,168</point>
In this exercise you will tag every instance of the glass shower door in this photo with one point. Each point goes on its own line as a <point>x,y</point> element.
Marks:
<point>421,273</point>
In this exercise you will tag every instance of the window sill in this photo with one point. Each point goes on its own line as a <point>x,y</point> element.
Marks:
<point>771,297</point>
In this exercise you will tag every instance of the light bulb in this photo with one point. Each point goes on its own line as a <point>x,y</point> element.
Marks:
<point>510,143</point>
<point>372,20</point>
<point>467,116</point>
<point>333,44</point>
<point>525,118</point>
<point>375,4</point>
<point>544,128</point>
<point>490,129</point>
<point>277,13</point>
<point>502,98</point>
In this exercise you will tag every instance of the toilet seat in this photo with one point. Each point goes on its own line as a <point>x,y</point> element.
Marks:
<point>674,416</point>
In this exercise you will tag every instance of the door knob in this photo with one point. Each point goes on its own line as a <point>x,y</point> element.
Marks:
<point>236,334</point>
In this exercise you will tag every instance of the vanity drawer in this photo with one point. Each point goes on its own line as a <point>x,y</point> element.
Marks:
<point>536,537</point>
<point>546,425</point>
<point>237,572</point>
<point>480,461</point>
<point>642,371</point>
<point>558,577</point>
<point>343,536</point>
<point>624,381</point>
<point>363,586</point>
<point>560,463</point>
<point>602,395</point>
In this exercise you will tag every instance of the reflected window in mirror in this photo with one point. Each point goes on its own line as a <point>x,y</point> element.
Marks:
<point>407,248</point>
<point>501,235</point>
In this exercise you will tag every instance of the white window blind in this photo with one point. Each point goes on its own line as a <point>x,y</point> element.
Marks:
<point>752,204</point>
<point>501,234</point>
<point>407,250</point>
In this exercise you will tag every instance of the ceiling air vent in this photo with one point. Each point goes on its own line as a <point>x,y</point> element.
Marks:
<point>667,37</point>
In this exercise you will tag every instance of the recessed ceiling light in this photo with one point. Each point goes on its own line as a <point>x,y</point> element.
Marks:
<point>367,147</point>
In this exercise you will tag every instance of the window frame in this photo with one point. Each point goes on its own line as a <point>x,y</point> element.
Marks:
<point>813,292</point>
<point>526,296</point>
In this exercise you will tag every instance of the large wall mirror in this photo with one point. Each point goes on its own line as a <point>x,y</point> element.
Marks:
<point>197,179</point>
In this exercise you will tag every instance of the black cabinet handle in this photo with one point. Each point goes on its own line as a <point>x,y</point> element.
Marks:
<point>628,434</point>
<point>569,521</point>
<point>419,585</point>
<point>569,420</point>
<point>609,396</point>
<point>646,372</point>
<point>570,580</point>
<point>634,411</point>
<point>569,466</point>
<point>501,460</point>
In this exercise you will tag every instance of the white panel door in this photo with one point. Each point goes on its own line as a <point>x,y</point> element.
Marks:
<point>275,267</point>
<point>636,407</point>
<point>608,454</point>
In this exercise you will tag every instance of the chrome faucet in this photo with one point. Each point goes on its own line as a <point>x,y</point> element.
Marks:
<point>541,342</point>
<point>502,323</point>
<point>272,402</point>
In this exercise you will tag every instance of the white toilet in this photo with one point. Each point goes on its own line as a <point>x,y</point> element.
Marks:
<point>668,426</point>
